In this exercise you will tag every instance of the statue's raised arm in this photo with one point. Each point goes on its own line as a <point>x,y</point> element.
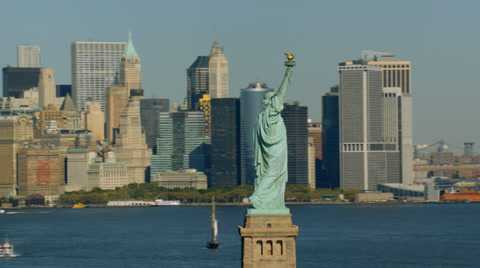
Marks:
<point>288,76</point>
<point>270,142</point>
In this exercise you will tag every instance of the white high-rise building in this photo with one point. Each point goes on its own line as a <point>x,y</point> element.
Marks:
<point>397,127</point>
<point>397,106</point>
<point>28,56</point>
<point>95,66</point>
<point>218,73</point>
<point>397,74</point>
<point>366,159</point>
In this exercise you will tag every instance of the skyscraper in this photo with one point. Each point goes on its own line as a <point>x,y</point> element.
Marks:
<point>395,73</point>
<point>295,118</point>
<point>250,107</point>
<point>117,94</point>
<point>94,68</point>
<point>397,127</point>
<point>17,80</point>
<point>63,90</point>
<point>315,132</point>
<point>206,108</point>
<point>182,143</point>
<point>225,142</point>
<point>149,112</point>
<point>130,67</point>
<point>218,72</point>
<point>28,56</point>
<point>311,163</point>
<point>365,158</point>
<point>197,82</point>
<point>116,101</point>
<point>330,141</point>
<point>130,145</point>
<point>46,88</point>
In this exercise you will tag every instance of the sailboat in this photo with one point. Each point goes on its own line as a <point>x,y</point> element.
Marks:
<point>213,243</point>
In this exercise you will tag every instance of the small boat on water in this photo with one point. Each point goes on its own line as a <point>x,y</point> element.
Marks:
<point>213,243</point>
<point>6,250</point>
<point>79,205</point>
<point>2,211</point>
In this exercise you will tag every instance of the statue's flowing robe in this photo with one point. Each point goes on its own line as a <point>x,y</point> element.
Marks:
<point>270,138</point>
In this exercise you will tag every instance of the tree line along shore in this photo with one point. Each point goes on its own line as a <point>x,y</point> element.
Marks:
<point>226,195</point>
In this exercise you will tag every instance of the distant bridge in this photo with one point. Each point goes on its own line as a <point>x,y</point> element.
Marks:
<point>445,168</point>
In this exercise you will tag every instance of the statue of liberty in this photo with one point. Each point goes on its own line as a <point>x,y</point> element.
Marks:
<point>270,142</point>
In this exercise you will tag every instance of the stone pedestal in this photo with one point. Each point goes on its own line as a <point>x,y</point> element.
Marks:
<point>268,241</point>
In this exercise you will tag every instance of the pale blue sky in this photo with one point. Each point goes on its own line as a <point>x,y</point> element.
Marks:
<point>439,37</point>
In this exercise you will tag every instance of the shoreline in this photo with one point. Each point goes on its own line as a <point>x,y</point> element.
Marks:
<point>240,204</point>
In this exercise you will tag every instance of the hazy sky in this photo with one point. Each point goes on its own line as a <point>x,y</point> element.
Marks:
<point>440,38</point>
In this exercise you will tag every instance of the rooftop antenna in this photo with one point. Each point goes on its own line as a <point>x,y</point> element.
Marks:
<point>215,30</point>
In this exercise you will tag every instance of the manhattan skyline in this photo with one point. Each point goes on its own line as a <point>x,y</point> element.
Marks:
<point>436,36</point>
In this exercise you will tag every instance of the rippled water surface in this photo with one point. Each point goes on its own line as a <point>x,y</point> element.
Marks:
<point>380,235</point>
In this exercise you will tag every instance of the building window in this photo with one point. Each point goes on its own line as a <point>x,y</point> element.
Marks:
<point>280,246</point>
<point>260,247</point>
<point>269,247</point>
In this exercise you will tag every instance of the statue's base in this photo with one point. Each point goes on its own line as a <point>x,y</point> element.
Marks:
<point>268,241</point>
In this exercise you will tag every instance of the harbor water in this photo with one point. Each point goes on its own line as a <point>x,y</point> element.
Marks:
<point>354,235</point>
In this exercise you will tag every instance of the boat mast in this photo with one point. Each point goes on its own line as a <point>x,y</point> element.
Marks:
<point>214,222</point>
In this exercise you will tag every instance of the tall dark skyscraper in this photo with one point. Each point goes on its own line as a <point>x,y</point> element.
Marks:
<point>330,141</point>
<point>225,142</point>
<point>295,118</point>
<point>197,82</point>
<point>17,80</point>
<point>250,107</point>
<point>63,90</point>
<point>149,112</point>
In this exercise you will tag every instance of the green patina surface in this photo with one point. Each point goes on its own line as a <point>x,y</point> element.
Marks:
<point>270,142</point>
<point>130,49</point>
<point>268,211</point>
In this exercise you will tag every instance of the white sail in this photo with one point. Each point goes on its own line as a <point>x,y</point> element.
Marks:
<point>215,229</point>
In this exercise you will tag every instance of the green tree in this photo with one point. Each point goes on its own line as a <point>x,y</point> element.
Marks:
<point>350,194</point>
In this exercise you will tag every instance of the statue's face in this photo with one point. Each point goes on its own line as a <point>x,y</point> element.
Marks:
<point>267,99</point>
